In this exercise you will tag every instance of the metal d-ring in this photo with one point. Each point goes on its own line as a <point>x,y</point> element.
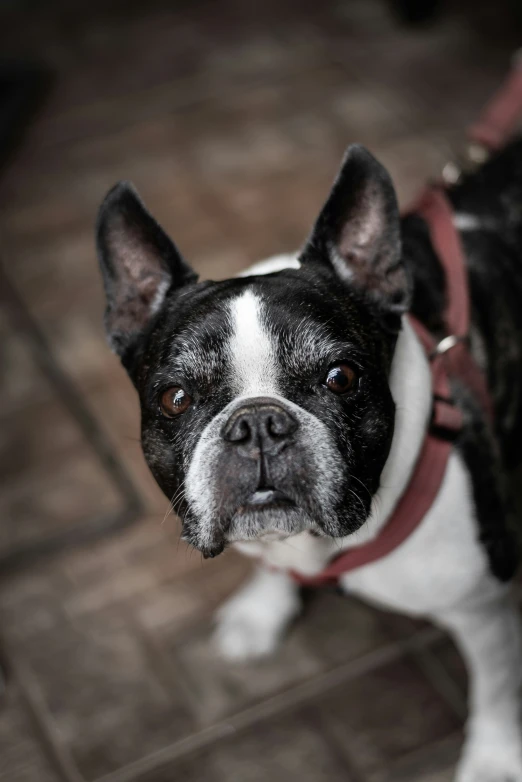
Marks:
<point>446,344</point>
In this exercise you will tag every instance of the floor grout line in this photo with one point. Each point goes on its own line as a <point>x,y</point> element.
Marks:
<point>441,680</point>
<point>443,751</point>
<point>57,755</point>
<point>277,704</point>
<point>337,751</point>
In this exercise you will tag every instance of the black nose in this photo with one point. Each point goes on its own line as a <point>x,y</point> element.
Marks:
<point>260,426</point>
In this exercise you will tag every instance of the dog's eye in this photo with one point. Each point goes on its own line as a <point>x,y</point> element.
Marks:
<point>174,401</point>
<point>341,379</point>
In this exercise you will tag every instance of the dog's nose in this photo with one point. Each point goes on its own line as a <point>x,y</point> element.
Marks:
<point>260,427</point>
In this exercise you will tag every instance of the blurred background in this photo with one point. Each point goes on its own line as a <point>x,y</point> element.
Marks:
<point>230,117</point>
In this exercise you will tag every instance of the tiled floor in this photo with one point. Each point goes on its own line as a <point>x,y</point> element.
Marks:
<point>231,122</point>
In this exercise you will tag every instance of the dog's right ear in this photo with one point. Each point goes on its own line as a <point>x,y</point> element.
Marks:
<point>139,263</point>
<point>358,235</point>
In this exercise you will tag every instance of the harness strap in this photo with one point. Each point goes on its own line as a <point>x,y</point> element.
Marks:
<point>499,118</point>
<point>436,210</point>
<point>452,357</point>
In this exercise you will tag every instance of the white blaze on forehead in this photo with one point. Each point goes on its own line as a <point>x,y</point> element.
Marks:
<point>252,352</point>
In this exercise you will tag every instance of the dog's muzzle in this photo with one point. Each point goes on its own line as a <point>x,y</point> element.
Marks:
<point>265,467</point>
<point>260,428</point>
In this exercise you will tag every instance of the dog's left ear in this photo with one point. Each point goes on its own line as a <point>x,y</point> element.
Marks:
<point>358,232</point>
<point>139,263</point>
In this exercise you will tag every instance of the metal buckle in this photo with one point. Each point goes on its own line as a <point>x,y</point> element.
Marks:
<point>446,344</point>
<point>472,158</point>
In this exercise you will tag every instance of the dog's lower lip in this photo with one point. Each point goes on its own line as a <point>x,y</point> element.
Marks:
<point>269,497</point>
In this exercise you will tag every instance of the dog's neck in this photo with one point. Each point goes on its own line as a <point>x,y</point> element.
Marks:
<point>410,383</point>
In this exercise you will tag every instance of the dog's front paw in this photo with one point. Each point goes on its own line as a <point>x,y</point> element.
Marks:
<point>252,623</point>
<point>239,637</point>
<point>491,761</point>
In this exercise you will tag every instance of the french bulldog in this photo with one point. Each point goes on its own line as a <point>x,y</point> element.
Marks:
<point>283,412</point>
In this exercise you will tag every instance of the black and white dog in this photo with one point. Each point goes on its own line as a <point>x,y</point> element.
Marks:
<point>294,400</point>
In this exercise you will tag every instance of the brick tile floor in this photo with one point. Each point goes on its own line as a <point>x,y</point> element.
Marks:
<point>231,123</point>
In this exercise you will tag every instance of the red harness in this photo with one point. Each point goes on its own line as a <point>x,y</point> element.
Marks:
<point>449,359</point>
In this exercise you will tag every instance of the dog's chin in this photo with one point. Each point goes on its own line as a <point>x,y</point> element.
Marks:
<point>267,515</point>
<point>270,517</point>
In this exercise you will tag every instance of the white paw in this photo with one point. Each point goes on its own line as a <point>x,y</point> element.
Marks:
<point>252,623</point>
<point>491,761</point>
<point>239,637</point>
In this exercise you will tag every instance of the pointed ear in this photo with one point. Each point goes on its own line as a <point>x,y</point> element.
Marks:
<point>358,232</point>
<point>139,263</point>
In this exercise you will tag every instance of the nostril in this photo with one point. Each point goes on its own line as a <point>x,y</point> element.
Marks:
<point>239,432</point>
<point>281,424</point>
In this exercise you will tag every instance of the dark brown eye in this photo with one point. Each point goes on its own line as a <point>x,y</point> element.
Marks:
<point>341,379</point>
<point>174,401</point>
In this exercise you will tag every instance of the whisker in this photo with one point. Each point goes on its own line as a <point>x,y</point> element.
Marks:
<point>176,497</point>
<point>354,477</point>
<point>358,499</point>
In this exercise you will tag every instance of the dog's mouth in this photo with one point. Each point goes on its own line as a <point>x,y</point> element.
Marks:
<point>266,512</point>
<point>267,498</point>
